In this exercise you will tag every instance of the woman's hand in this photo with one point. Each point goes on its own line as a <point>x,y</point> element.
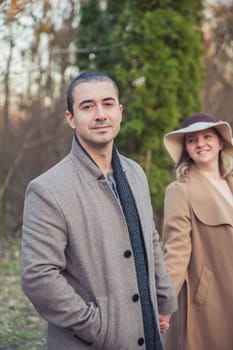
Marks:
<point>164,322</point>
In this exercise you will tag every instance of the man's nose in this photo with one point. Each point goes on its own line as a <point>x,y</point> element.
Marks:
<point>100,113</point>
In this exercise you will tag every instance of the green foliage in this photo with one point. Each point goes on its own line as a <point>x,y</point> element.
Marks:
<point>21,327</point>
<point>153,49</point>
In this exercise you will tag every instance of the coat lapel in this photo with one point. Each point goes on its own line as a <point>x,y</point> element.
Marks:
<point>208,204</point>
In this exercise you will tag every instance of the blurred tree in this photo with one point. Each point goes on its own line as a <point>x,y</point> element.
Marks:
<point>218,39</point>
<point>35,38</point>
<point>154,51</point>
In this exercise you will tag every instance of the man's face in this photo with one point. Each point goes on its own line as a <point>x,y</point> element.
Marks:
<point>97,114</point>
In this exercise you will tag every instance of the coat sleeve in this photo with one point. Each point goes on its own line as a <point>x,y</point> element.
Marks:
<point>166,295</point>
<point>44,242</point>
<point>176,234</point>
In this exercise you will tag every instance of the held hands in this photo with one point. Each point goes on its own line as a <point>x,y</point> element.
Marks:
<point>164,322</point>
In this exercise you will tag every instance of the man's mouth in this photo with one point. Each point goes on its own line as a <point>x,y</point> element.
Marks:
<point>101,126</point>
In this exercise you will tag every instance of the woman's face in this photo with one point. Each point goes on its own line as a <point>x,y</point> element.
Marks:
<point>203,147</point>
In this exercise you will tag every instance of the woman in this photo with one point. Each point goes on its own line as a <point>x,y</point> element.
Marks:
<point>198,234</point>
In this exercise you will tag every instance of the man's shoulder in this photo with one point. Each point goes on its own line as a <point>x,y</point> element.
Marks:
<point>56,174</point>
<point>129,163</point>
<point>133,170</point>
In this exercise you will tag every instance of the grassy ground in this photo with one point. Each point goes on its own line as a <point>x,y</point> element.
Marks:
<point>21,327</point>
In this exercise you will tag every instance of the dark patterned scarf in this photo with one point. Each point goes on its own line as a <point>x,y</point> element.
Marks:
<point>152,337</point>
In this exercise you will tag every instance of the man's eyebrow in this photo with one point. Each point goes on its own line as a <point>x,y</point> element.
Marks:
<point>85,101</point>
<point>109,99</point>
<point>91,101</point>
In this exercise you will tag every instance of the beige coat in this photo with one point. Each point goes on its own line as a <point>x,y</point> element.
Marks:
<point>198,238</point>
<point>77,263</point>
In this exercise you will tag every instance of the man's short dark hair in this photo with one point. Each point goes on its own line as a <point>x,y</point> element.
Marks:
<point>84,78</point>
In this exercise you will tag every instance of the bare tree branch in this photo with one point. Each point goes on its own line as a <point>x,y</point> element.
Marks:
<point>25,146</point>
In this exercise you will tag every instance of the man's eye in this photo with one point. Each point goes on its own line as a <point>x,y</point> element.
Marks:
<point>87,106</point>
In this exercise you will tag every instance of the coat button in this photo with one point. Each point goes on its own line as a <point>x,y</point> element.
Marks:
<point>135,297</point>
<point>127,254</point>
<point>140,341</point>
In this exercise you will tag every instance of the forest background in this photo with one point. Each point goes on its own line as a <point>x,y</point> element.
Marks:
<point>169,58</point>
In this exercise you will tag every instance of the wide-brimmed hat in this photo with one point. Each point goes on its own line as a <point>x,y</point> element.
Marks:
<point>174,140</point>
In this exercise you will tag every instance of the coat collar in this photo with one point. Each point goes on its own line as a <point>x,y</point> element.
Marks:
<point>207,202</point>
<point>82,160</point>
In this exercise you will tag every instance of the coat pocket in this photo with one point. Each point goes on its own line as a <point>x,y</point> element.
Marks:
<point>102,303</point>
<point>203,286</point>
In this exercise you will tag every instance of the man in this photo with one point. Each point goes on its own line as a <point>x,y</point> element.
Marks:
<point>91,259</point>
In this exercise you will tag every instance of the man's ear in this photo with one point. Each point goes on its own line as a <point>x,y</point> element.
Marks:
<point>70,119</point>
<point>121,109</point>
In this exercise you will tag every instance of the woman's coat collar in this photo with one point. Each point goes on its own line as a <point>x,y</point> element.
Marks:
<point>208,204</point>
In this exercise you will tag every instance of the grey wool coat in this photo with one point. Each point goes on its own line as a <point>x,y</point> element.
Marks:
<point>198,238</point>
<point>78,268</point>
